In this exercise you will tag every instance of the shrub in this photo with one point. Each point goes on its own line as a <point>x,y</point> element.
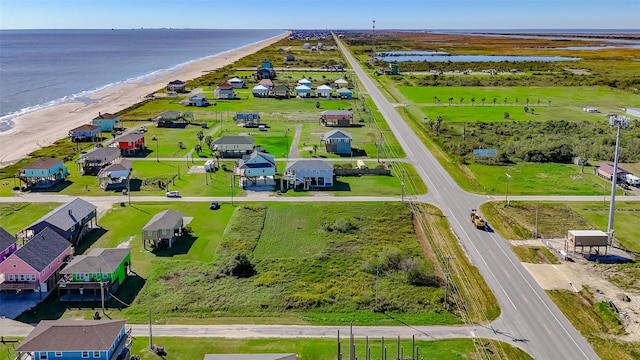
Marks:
<point>341,225</point>
<point>239,266</point>
<point>390,260</point>
<point>418,272</point>
<point>303,301</point>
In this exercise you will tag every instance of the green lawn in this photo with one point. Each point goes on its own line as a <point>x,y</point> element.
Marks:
<point>16,216</point>
<point>312,262</point>
<point>561,98</point>
<point>324,349</point>
<point>537,179</point>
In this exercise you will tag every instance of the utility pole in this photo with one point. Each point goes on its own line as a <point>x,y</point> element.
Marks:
<point>537,208</point>
<point>506,198</point>
<point>621,122</point>
<point>446,275</point>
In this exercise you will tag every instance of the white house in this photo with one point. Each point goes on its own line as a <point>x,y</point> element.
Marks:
<point>305,82</point>
<point>324,91</point>
<point>237,83</point>
<point>309,173</point>
<point>260,91</point>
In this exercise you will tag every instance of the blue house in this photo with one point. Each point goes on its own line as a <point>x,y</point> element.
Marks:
<point>344,93</point>
<point>76,339</point>
<point>70,220</point>
<point>43,173</point>
<point>106,121</point>
<point>338,142</point>
<point>303,91</point>
<point>85,133</point>
<point>257,169</point>
<point>249,118</point>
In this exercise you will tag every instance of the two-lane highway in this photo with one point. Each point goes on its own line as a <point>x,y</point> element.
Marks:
<point>527,311</point>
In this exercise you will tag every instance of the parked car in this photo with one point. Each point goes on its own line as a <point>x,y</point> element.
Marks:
<point>173,193</point>
<point>214,205</point>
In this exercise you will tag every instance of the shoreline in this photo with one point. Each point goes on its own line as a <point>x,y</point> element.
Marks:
<point>42,128</point>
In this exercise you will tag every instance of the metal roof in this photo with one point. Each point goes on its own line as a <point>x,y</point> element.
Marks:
<point>302,165</point>
<point>86,127</point>
<point>72,335</point>
<point>106,116</point>
<point>130,138</point>
<point>64,217</point>
<point>588,233</point>
<point>101,154</point>
<point>163,220</point>
<point>337,112</point>
<point>42,164</point>
<point>42,249</point>
<point>337,134</point>
<point>6,239</point>
<point>608,168</point>
<point>99,260</point>
<point>230,140</point>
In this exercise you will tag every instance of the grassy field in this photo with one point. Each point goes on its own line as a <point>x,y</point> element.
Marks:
<point>550,103</point>
<point>315,268</point>
<point>534,255</point>
<point>325,349</point>
<point>314,263</point>
<point>537,179</point>
<point>16,216</point>
<point>597,326</point>
<point>625,219</point>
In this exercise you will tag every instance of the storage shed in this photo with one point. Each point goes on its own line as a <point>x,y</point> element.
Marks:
<point>590,238</point>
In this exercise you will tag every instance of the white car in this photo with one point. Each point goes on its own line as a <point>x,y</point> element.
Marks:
<point>173,193</point>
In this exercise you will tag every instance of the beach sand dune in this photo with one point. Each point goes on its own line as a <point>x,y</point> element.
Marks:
<point>42,128</point>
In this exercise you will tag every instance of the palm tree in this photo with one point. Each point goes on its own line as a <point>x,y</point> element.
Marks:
<point>198,148</point>
<point>450,100</point>
<point>505,101</point>
<point>435,100</point>
<point>317,104</point>
<point>516,101</point>
<point>494,101</point>
<point>200,136</point>
<point>438,125</point>
<point>461,100</point>
<point>208,141</point>
<point>527,100</point>
<point>483,100</point>
<point>473,100</point>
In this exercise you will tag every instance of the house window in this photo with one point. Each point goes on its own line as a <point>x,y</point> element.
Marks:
<point>58,353</point>
<point>21,277</point>
<point>164,231</point>
<point>85,354</point>
<point>96,354</point>
<point>320,181</point>
<point>14,266</point>
<point>11,278</point>
<point>149,233</point>
<point>33,277</point>
<point>44,356</point>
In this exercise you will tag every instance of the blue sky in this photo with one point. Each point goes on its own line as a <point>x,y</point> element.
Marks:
<point>315,14</point>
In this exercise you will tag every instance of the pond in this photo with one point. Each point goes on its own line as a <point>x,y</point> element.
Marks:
<point>473,58</point>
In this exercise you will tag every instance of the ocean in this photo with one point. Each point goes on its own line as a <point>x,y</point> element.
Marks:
<point>43,68</point>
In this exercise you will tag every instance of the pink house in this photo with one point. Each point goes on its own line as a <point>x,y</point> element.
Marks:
<point>8,244</point>
<point>36,264</point>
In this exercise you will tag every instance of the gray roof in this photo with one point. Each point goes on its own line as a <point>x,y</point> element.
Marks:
<point>163,220</point>
<point>101,153</point>
<point>170,114</point>
<point>302,165</point>
<point>344,90</point>
<point>106,116</point>
<point>72,335</point>
<point>65,216</point>
<point>99,260</point>
<point>337,134</point>
<point>6,239</point>
<point>42,163</point>
<point>230,140</point>
<point>337,112</point>
<point>249,356</point>
<point>42,249</point>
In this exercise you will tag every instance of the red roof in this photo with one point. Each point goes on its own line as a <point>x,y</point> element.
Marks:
<point>106,116</point>
<point>86,127</point>
<point>608,168</point>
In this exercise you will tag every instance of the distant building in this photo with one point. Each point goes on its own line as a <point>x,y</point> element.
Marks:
<point>198,101</point>
<point>224,91</point>
<point>605,171</point>
<point>107,122</point>
<point>344,93</point>
<point>324,91</point>
<point>260,91</point>
<point>336,118</point>
<point>233,146</point>
<point>131,144</point>
<point>71,221</point>
<point>237,83</point>
<point>8,244</point>
<point>303,91</point>
<point>309,174</point>
<point>163,229</point>
<point>178,86</point>
<point>85,132</point>
<point>282,92</point>
<point>96,159</point>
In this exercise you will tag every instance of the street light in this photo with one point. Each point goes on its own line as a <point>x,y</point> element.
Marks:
<point>286,135</point>
<point>156,140</point>
<point>231,189</point>
<point>402,185</point>
<point>621,122</point>
<point>506,199</point>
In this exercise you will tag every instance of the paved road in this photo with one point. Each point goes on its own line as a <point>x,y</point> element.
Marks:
<point>527,312</point>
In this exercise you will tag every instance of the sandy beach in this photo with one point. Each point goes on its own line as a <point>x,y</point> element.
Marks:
<point>42,128</point>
